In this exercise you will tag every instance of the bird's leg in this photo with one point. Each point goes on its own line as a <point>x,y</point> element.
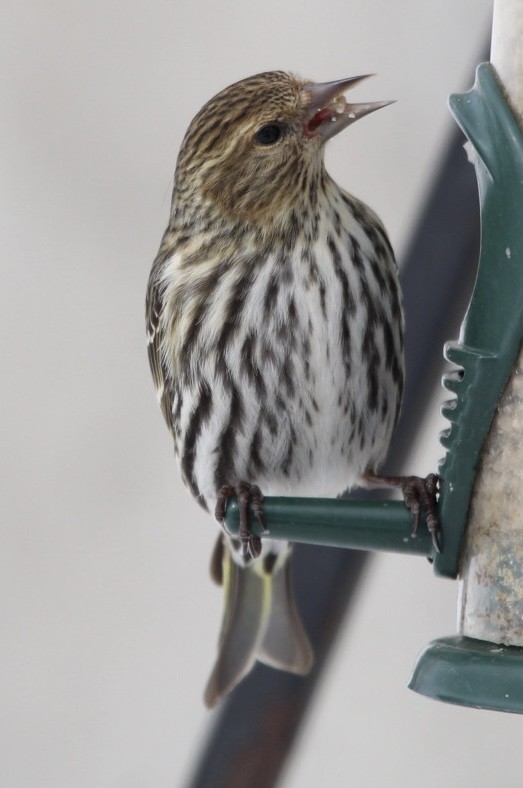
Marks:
<point>246,494</point>
<point>418,494</point>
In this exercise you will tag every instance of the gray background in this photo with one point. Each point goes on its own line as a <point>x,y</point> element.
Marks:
<point>108,619</point>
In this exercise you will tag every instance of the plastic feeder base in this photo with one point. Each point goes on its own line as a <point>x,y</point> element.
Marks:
<point>471,672</point>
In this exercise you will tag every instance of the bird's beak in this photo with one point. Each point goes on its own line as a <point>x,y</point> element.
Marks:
<point>327,111</point>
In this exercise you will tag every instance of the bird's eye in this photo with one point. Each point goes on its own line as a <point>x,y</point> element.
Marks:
<point>269,134</point>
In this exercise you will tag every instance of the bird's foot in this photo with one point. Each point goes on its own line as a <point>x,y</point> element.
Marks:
<point>246,494</point>
<point>419,494</point>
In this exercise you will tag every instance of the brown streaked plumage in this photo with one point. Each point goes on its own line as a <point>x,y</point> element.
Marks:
<point>275,337</point>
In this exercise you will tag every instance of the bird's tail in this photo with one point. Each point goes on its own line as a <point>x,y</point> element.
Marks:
<point>260,622</point>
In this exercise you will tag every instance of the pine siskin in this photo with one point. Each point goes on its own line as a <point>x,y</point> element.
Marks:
<point>275,339</point>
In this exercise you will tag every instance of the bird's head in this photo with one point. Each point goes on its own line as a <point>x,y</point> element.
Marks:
<point>257,147</point>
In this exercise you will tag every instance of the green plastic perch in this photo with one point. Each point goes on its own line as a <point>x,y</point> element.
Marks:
<point>361,525</point>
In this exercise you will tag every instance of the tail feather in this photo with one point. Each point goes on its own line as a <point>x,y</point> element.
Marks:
<point>245,614</point>
<point>260,621</point>
<point>285,644</point>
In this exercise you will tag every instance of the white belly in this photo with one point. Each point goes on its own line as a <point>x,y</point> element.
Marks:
<point>304,397</point>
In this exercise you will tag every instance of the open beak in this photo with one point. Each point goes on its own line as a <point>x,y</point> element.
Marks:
<point>328,111</point>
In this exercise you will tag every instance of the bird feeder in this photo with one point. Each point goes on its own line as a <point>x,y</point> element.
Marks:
<point>481,493</point>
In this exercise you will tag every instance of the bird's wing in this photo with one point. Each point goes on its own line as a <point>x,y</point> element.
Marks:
<point>153,309</point>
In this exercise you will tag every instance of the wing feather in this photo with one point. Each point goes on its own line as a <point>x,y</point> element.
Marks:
<point>153,310</point>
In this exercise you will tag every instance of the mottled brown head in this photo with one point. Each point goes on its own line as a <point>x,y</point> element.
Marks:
<point>252,148</point>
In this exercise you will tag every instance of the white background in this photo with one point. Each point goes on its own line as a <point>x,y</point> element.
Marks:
<point>107,617</point>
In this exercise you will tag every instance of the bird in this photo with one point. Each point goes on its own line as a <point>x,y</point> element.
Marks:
<point>275,340</point>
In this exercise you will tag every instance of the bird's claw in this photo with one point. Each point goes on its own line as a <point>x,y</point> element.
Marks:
<point>421,494</point>
<point>418,494</point>
<point>246,494</point>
